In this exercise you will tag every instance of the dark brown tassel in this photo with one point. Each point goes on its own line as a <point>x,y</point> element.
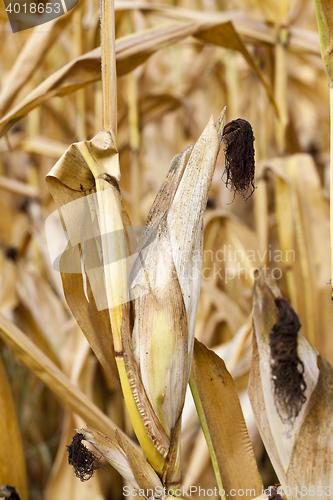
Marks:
<point>239,157</point>
<point>82,459</point>
<point>287,368</point>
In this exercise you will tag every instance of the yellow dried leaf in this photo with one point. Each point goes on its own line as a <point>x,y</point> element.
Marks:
<point>225,430</point>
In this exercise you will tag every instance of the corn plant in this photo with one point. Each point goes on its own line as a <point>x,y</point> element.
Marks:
<point>149,304</point>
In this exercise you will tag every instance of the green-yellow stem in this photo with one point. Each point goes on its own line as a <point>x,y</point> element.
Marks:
<point>155,458</point>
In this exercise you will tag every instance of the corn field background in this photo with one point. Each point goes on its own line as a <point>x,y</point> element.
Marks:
<point>178,63</point>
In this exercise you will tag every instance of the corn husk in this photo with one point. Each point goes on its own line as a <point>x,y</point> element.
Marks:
<point>300,450</point>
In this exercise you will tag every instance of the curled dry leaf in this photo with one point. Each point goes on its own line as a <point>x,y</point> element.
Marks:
<point>68,181</point>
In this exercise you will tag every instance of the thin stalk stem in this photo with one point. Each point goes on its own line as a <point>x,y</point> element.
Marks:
<point>280,93</point>
<point>109,75</point>
<point>134,132</point>
<point>304,256</point>
<point>111,222</point>
<point>331,182</point>
<point>232,85</point>
<point>80,125</point>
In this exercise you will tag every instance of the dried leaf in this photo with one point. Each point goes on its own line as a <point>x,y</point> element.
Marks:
<point>144,474</point>
<point>311,459</point>
<point>67,181</point>
<point>94,324</point>
<point>301,40</point>
<point>30,57</point>
<point>228,37</point>
<point>219,409</point>
<point>131,51</point>
<point>54,378</point>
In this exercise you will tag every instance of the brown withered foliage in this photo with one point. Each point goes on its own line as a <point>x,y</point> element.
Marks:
<point>82,459</point>
<point>239,157</point>
<point>287,368</point>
